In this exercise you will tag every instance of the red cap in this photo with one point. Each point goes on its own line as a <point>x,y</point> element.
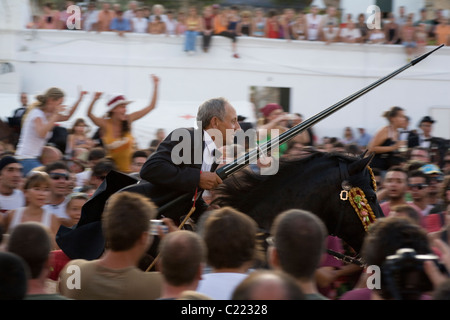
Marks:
<point>269,108</point>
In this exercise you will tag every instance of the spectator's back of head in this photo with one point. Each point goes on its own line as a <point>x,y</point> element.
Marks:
<point>299,239</point>
<point>13,276</point>
<point>230,238</point>
<point>32,242</point>
<point>126,217</point>
<point>182,254</point>
<point>268,285</point>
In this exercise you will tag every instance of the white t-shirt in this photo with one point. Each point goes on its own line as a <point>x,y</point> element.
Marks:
<point>350,33</point>
<point>89,18</point>
<point>58,210</point>
<point>46,219</point>
<point>313,25</point>
<point>140,25</point>
<point>220,286</point>
<point>30,145</point>
<point>171,26</point>
<point>13,201</point>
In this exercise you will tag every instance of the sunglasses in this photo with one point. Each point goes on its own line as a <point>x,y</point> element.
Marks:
<point>438,178</point>
<point>419,186</point>
<point>58,176</point>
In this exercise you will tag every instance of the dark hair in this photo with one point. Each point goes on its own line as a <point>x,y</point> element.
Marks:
<point>300,240</point>
<point>32,242</point>
<point>126,216</point>
<point>230,238</point>
<point>393,112</point>
<point>182,253</point>
<point>57,165</point>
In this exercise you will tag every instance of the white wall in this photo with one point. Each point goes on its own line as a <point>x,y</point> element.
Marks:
<point>319,75</point>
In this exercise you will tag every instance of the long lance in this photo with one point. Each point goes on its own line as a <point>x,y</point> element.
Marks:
<point>251,156</point>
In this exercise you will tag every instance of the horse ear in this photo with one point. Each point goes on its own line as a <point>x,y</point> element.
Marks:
<point>363,154</point>
<point>359,165</point>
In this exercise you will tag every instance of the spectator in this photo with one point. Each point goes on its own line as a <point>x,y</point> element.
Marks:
<point>11,195</point>
<point>15,122</point>
<point>314,23</point>
<point>230,238</point>
<point>221,29</point>
<point>182,256</point>
<point>296,246</point>
<point>32,241</point>
<point>299,27</point>
<point>94,155</point>
<point>330,26</point>
<point>13,277</point>
<point>349,137</point>
<point>392,30</point>
<point>78,138</point>
<point>137,161</point>
<point>418,187</point>
<point>386,141</point>
<point>350,34</point>
<point>158,10</point>
<point>74,205</point>
<point>207,27</point>
<point>194,26</point>
<point>402,16</point>
<point>139,23</point>
<point>442,32</point>
<point>272,29</point>
<point>171,24</point>
<point>244,26</point>
<point>49,155</point>
<point>90,18</point>
<point>181,23</point>
<point>49,18</point>
<point>258,23</point>
<point>420,154</point>
<point>120,24</point>
<point>196,173</point>
<point>59,188</point>
<point>157,26</point>
<point>435,182</point>
<point>64,16</point>
<point>117,134</point>
<point>105,17</point>
<point>37,192</point>
<point>363,29</point>
<point>131,12</point>
<point>364,138</point>
<point>377,36</point>
<point>275,120</point>
<point>407,211</point>
<point>396,184</point>
<point>384,238</point>
<point>268,285</point>
<point>99,172</point>
<point>38,123</point>
<point>409,38</point>
<point>126,225</point>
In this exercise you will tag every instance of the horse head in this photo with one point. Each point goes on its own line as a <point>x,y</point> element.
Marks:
<point>339,189</point>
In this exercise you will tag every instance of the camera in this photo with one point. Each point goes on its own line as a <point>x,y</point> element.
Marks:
<point>154,227</point>
<point>403,275</point>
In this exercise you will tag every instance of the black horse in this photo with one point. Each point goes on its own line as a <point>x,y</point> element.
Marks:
<point>340,189</point>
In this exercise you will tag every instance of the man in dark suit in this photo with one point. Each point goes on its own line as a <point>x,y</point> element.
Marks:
<point>184,162</point>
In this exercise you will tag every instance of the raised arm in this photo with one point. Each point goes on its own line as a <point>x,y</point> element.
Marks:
<point>99,122</point>
<point>140,113</point>
<point>62,117</point>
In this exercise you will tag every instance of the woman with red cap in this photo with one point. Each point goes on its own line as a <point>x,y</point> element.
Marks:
<point>116,132</point>
<point>275,118</point>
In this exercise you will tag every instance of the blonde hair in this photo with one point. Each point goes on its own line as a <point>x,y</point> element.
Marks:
<point>42,99</point>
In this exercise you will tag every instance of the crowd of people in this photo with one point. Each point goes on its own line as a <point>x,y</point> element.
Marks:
<point>44,187</point>
<point>413,30</point>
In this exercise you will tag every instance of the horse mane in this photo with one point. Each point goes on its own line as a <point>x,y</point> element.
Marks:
<point>231,191</point>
